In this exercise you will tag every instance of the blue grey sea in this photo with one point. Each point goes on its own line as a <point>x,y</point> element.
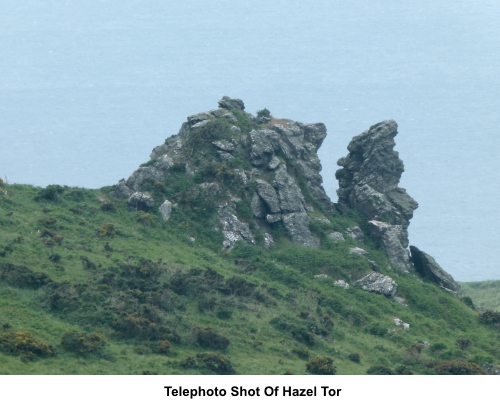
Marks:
<point>87,89</point>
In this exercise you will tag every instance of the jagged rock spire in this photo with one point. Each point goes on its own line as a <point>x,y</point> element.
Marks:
<point>368,182</point>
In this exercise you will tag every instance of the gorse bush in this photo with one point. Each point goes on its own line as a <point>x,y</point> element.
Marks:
<point>463,343</point>
<point>211,338</point>
<point>490,317</point>
<point>24,343</point>
<point>458,368</point>
<point>321,365</point>
<point>379,370</point>
<point>52,193</point>
<point>354,357</point>
<point>107,230</point>
<point>22,276</point>
<point>82,343</point>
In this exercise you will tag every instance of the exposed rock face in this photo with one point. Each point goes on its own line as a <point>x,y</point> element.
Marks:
<point>233,229</point>
<point>426,266</point>
<point>231,103</point>
<point>356,233</point>
<point>297,224</point>
<point>141,201</point>
<point>268,194</point>
<point>378,283</point>
<point>122,191</point>
<point>369,182</point>
<point>336,237</point>
<point>166,210</point>
<point>394,239</point>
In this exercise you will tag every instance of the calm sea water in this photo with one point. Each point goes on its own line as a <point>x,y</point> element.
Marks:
<point>87,89</point>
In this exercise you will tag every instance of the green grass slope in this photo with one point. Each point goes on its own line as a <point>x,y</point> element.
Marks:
<point>484,293</point>
<point>88,286</point>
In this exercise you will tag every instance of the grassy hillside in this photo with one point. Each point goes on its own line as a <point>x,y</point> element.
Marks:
<point>484,293</point>
<point>88,286</point>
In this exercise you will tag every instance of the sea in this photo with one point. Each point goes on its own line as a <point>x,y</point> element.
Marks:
<point>87,89</point>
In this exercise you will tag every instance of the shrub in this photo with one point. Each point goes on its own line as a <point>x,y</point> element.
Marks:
<point>463,343</point>
<point>264,113</point>
<point>188,362</point>
<point>107,205</point>
<point>23,343</point>
<point>55,257</point>
<point>52,192</point>
<point>458,368</point>
<point>215,362</point>
<point>163,347</point>
<point>142,349</point>
<point>354,357</point>
<point>1,182</point>
<point>22,276</point>
<point>224,313</point>
<point>82,343</point>
<point>321,365</point>
<point>209,337</point>
<point>403,370</point>
<point>468,301</point>
<point>379,370</point>
<point>87,263</point>
<point>437,347</point>
<point>377,330</point>
<point>490,317</point>
<point>302,353</point>
<point>107,229</point>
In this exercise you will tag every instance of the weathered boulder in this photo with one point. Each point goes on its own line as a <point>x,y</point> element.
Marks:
<point>272,218</point>
<point>378,283</point>
<point>258,207</point>
<point>336,237</point>
<point>274,163</point>
<point>426,266</point>
<point>224,146</point>
<point>268,241</point>
<point>356,233</point>
<point>394,239</point>
<point>265,143</point>
<point>233,229</point>
<point>166,210</point>
<point>141,201</point>
<point>358,251</point>
<point>268,194</point>
<point>297,223</point>
<point>231,103</point>
<point>290,195</point>
<point>341,283</point>
<point>399,323</point>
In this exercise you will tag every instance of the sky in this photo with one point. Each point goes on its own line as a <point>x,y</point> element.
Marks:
<point>87,89</point>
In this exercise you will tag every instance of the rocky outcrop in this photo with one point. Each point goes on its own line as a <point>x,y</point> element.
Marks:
<point>378,283</point>
<point>368,182</point>
<point>426,267</point>
<point>205,143</point>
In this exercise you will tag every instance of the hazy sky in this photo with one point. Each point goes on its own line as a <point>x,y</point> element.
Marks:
<point>87,89</point>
